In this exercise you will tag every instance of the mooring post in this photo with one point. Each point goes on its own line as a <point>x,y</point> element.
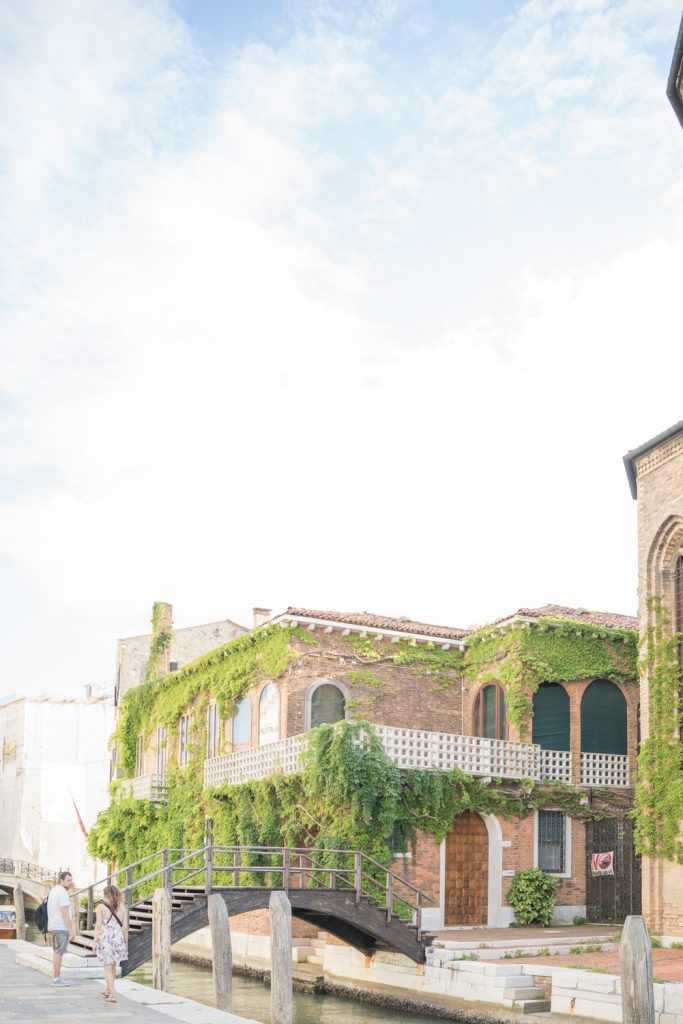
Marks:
<point>161,939</point>
<point>635,960</point>
<point>75,915</point>
<point>219,920</point>
<point>21,914</point>
<point>280,959</point>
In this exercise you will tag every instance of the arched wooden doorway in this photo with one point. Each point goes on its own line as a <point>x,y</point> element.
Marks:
<point>467,872</point>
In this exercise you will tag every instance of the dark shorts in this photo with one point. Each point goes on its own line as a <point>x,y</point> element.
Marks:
<point>60,941</point>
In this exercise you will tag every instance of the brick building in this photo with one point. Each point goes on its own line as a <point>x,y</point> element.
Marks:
<point>583,732</point>
<point>655,473</point>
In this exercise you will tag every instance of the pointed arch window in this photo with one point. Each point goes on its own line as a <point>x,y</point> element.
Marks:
<point>489,717</point>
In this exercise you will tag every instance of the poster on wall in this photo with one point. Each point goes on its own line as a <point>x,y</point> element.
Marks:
<point>602,863</point>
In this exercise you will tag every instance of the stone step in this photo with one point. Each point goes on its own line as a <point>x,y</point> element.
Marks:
<point>532,1005</point>
<point>522,995</point>
<point>316,959</point>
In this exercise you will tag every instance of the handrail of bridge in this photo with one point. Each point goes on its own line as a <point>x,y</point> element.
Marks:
<point>350,870</point>
<point>24,869</point>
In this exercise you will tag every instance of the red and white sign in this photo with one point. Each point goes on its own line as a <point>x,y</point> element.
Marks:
<point>602,863</point>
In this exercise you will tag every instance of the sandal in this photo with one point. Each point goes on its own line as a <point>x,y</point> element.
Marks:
<point>110,999</point>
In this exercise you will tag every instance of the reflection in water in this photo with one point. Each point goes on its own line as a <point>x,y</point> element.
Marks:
<point>251,998</point>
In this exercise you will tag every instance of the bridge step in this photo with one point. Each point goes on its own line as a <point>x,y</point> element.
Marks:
<point>532,1005</point>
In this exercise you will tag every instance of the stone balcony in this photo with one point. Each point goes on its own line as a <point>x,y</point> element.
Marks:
<point>434,751</point>
<point>146,787</point>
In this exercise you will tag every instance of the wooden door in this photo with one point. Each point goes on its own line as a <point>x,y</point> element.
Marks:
<point>467,872</point>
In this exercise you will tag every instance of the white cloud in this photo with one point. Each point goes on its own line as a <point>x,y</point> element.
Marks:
<point>235,351</point>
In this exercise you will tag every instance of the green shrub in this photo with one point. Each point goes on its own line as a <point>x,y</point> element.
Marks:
<point>469,956</point>
<point>579,920</point>
<point>532,896</point>
<point>676,945</point>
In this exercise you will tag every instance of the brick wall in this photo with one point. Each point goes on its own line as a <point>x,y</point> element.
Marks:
<point>660,541</point>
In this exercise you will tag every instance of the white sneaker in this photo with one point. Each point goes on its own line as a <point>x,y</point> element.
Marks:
<point>60,983</point>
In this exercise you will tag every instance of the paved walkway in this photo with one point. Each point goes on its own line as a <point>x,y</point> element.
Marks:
<point>667,964</point>
<point>26,996</point>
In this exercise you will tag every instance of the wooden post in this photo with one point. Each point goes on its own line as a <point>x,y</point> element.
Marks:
<point>129,889</point>
<point>90,912</point>
<point>19,907</point>
<point>222,952</point>
<point>286,868</point>
<point>280,959</point>
<point>75,915</point>
<point>390,895</point>
<point>358,873</point>
<point>635,960</point>
<point>167,875</point>
<point>237,863</point>
<point>208,870</point>
<point>161,939</point>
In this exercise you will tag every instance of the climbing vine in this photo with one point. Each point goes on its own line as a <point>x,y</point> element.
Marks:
<point>161,640</point>
<point>658,808</point>
<point>550,650</point>
<point>225,674</point>
<point>349,795</point>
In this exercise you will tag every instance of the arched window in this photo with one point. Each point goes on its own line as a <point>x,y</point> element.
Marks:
<point>603,719</point>
<point>241,723</point>
<point>269,715</point>
<point>489,713</point>
<point>327,704</point>
<point>550,728</point>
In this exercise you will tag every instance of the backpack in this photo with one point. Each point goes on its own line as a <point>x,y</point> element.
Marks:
<point>40,916</point>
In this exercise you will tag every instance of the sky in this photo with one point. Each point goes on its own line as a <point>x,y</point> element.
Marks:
<point>342,304</point>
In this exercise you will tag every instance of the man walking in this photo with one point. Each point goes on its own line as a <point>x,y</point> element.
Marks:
<point>59,924</point>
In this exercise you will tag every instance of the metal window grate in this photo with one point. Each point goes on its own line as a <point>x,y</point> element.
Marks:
<point>551,841</point>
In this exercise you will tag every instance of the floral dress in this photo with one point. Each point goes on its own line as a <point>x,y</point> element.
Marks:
<point>110,945</point>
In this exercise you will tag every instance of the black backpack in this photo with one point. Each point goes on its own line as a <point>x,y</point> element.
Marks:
<point>40,916</point>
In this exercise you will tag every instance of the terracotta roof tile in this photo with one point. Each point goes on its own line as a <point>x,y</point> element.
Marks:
<point>611,620</point>
<point>402,625</point>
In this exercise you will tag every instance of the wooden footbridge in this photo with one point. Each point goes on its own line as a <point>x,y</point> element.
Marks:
<point>343,892</point>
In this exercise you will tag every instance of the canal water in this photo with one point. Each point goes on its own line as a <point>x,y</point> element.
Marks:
<point>251,998</point>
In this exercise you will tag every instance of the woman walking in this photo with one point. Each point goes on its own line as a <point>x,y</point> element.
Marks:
<point>111,937</point>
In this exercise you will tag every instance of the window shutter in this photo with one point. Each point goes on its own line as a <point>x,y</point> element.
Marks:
<point>603,719</point>
<point>550,726</point>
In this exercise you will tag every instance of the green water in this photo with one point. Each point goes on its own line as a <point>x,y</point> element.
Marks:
<point>251,998</point>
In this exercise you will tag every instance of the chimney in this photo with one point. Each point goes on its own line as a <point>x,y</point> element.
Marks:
<point>160,650</point>
<point>261,615</point>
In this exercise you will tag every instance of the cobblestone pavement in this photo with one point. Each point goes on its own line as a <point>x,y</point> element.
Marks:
<point>26,996</point>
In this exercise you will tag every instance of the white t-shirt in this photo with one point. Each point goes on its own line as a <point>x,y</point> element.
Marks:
<point>57,899</point>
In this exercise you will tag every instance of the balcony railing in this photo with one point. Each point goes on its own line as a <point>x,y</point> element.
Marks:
<point>555,766</point>
<point>408,748</point>
<point>604,770</point>
<point>434,751</point>
<point>146,787</point>
<point>281,758</point>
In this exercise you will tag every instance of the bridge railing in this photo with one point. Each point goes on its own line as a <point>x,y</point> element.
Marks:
<point>23,869</point>
<point>221,867</point>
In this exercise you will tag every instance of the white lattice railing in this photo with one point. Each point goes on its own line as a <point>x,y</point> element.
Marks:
<point>146,787</point>
<point>443,751</point>
<point>283,757</point>
<point>555,765</point>
<point>604,770</point>
<point>408,748</point>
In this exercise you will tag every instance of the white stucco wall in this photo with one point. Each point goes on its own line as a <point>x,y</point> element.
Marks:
<point>52,750</point>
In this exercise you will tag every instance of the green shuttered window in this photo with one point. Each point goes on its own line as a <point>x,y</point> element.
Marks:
<point>550,726</point>
<point>603,719</point>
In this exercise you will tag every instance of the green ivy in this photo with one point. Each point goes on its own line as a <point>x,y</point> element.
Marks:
<point>226,674</point>
<point>658,807</point>
<point>350,795</point>
<point>550,650</point>
<point>161,640</point>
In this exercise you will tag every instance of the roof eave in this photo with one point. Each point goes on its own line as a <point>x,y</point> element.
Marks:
<point>636,453</point>
<point>673,87</point>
